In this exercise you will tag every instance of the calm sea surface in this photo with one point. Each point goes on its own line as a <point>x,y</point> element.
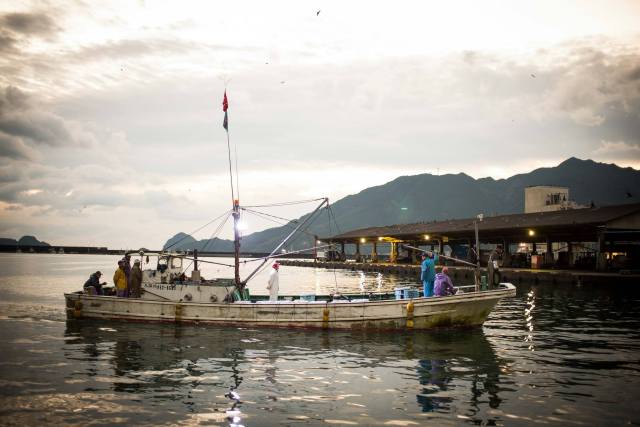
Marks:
<point>554,355</point>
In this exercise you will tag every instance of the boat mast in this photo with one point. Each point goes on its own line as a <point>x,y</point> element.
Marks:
<point>235,202</point>
<point>236,241</point>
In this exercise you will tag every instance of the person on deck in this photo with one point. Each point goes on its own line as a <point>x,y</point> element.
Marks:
<point>274,282</point>
<point>493,269</point>
<point>472,255</point>
<point>428,272</point>
<point>135,279</point>
<point>120,280</point>
<point>443,286</point>
<point>127,265</point>
<point>94,282</point>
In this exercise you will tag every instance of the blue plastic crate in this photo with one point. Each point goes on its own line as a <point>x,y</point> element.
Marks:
<point>406,293</point>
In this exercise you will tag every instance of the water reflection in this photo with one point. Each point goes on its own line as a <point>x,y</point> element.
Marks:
<point>241,373</point>
<point>528,316</point>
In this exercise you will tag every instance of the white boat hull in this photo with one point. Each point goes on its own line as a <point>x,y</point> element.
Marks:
<point>468,309</point>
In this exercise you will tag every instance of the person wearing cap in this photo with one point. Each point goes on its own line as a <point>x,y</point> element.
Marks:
<point>120,280</point>
<point>493,269</point>
<point>135,280</point>
<point>273,284</point>
<point>126,260</point>
<point>93,282</point>
<point>428,272</point>
<point>442,285</point>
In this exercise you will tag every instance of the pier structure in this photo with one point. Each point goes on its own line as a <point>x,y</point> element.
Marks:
<point>597,239</point>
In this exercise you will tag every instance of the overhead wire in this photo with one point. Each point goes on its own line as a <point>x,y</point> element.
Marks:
<point>198,229</point>
<point>296,202</point>
<point>266,216</point>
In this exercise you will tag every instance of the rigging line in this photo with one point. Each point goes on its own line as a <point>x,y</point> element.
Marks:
<point>210,262</point>
<point>215,232</point>
<point>286,239</point>
<point>235,149</point>
<point>233,197</point>
<point>297,202</point>
<point>288,224</point>
<point>440,255</point>
<point>288,253</point>
<point>335,275</point>
<point>198,229</point>
<point>335,221</point>
<point>187,267</point>
<point>273,216</point>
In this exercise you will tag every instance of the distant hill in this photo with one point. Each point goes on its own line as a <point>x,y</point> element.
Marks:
<point>24,241</point>
<point>426,197</point>
<point>182,241</point>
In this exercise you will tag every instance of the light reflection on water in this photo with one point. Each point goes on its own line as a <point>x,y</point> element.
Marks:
<point>554,355</point>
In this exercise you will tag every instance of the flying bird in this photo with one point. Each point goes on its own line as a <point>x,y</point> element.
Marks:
<point>629,194</point>
<point>282,82</point>
<point>317,13</point>
<point>533,75</point>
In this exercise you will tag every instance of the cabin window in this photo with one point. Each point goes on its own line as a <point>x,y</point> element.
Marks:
<point>176,262</point>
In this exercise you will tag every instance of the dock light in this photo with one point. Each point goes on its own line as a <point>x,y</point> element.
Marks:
<point>362,240</point>
<point>380,239</point>
<point>319,242</point>
<point>532,233</point>
<point>426,237</point>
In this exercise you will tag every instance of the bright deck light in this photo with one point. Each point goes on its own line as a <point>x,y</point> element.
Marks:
<point>426,237</point>
<point>532,233</point>
<point>362,240</point>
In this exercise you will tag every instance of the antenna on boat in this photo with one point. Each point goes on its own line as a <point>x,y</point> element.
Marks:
<point>477,273</point>
<point>235,202</point>
<point>236,242</point>
<point>307,219</point>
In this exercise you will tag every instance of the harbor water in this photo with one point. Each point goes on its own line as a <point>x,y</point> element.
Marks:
<point>553,355</point>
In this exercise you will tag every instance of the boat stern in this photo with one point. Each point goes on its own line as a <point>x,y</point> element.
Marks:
<point>73,305</point>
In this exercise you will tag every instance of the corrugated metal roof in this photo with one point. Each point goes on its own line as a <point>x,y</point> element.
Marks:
<point>588,217</point>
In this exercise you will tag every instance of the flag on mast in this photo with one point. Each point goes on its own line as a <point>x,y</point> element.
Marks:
<point>225,106</point>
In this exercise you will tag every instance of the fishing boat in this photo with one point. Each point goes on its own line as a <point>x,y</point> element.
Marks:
<point>168,295</point>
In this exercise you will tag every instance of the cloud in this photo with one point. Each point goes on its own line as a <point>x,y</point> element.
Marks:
<point>24,124</point>
<point>621,153</point>
<point>29,23</point>
<point>7,42</point>
<point>14,148</point>
<point>18,29</point>
<point>618,148</point>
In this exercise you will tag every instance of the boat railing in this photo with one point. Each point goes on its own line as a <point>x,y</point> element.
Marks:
<point>465,289</point>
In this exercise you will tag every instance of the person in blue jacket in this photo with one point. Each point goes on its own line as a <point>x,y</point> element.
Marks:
<point>428,272</point>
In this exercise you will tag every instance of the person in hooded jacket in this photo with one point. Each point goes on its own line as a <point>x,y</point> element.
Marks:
<point>135,279</point>
<point>120,280</point>
<point>428,272</point>
<point>273,285</point>
<point>94,282</point>
<point>443,286</point>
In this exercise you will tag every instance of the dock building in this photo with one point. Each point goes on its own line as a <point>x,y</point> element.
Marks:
<point>592,238</point>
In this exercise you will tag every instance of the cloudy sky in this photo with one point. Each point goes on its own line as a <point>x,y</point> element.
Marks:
<point>110,112</point>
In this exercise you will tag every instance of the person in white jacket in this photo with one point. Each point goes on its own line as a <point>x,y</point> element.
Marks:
<point>273,284</point>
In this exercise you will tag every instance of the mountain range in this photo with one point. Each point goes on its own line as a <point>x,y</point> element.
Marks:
<point>23,241</point>
<point>427,197</point>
